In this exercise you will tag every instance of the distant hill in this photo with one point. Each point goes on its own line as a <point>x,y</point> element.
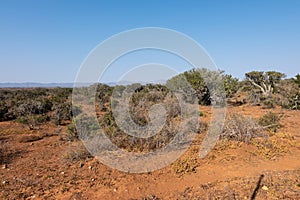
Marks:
<point>131,82</point>
<point>65,85</point>
<point>42,85</point>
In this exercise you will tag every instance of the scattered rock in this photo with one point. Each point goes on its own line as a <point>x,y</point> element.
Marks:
<point>62,173</point>
<point>264,188</point>
<point>4,166</point>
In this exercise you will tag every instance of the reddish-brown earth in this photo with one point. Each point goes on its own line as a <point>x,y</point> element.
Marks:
<point>34,167</point>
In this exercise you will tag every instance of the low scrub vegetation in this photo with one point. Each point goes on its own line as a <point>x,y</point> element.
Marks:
<point>183,166</point>
<point>241,128</point>
<point>270,121</point>
<point>142,99</point>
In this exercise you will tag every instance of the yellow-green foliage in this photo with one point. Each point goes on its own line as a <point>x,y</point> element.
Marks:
<point>183,166</point>
<point>275,146</point>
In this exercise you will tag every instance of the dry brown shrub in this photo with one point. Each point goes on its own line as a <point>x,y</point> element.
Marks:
<point>241,128</point>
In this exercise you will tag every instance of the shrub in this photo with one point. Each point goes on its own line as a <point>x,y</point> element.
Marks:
<point>141,101</point>
<point>268,102</point>
<point>30,107</point>
<point>294,102</point>
<point>241,128</point>
<point>231,85</point>
<point>183,166</point>
<point>207,85</point>
<point>72,132</point>
<point>62,112</point>
<point>288,94</point>
<point>3,111</point>
<point>270,121</point>
<point>297,79</point>
<point>16,103</point>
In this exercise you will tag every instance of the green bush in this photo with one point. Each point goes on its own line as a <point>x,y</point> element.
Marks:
<point>72,132</point>
<point>207,85</point>
<point>270,121</point>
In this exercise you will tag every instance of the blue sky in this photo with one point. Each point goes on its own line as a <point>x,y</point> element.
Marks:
<point>47,40</point>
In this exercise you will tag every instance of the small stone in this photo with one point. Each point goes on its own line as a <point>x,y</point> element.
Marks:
<point>4,166</point>
<point>62,173</point>
<point>81,165</point>
<point>93,179</point>
<point>115,190</point>
<point>90,167</point>
<point>264,188</point>
<point>4,182</point>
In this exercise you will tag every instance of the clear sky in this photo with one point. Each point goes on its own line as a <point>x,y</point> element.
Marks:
<point>47,40</point>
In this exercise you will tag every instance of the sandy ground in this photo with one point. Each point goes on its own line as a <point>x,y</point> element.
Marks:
<point>34,167</point>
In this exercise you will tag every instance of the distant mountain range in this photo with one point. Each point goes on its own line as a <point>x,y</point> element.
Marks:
<point>40,85</point>
<point>65,85</point>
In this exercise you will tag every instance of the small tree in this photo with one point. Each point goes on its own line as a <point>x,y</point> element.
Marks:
<point>297,79</point>
<point>231,85</point>
<point>208,85</point>
<point>265,81</point>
